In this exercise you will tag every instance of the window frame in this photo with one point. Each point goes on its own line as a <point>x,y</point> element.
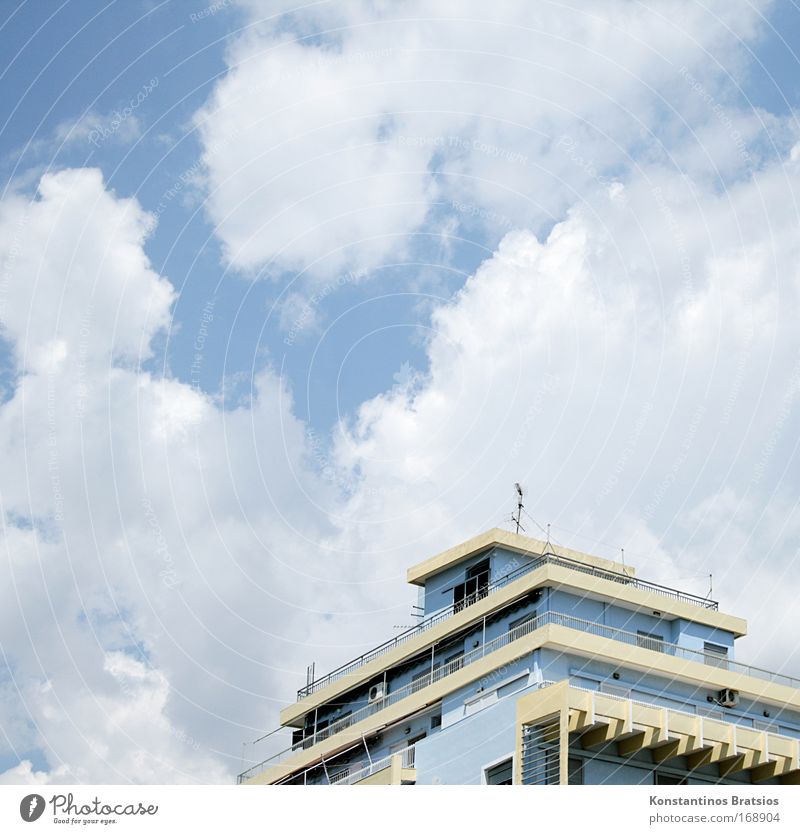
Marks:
<point>499,761</point>
<point>718,656</point>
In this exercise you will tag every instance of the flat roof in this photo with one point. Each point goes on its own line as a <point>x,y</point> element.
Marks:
<point>418,574</point>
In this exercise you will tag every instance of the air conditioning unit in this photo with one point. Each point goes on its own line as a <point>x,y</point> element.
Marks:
<point>376,692</point>
<point>728,698</point>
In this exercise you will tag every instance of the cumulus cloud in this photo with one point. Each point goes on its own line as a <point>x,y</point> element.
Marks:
<point>633,372</point>
<point>628,351</point>
<point>341,127</point>
<point>151,553</point>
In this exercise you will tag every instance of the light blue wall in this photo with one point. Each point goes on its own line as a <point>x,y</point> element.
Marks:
<point>454,705</point>
<point>505,562</point>
<point>501,563</point>
<point>692,636</point>
<point>437,588</point>
<point>456,755</point>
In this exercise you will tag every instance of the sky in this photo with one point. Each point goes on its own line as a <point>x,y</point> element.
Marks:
<point>292,295</point>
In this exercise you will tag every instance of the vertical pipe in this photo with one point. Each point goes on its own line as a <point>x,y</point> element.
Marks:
<point>483,639</point>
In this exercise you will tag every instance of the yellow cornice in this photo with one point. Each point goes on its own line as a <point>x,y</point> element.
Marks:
<point>548,574</point>
<point>550,636</point>
<point>417,574</point>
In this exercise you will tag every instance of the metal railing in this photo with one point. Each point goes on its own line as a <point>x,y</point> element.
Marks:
<point>672,649</point>
<point>522,630</point>
<point>406,762</point>
<point>492,587</point>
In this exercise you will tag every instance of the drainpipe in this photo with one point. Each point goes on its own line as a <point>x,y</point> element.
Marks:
<point>483,639</point>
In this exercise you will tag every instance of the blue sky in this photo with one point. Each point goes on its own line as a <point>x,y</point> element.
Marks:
<point>147,41</point>
<point>291,297</point>
<point>150,40</point>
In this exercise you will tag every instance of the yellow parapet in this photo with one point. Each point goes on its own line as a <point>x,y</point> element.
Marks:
<point>596,718</point>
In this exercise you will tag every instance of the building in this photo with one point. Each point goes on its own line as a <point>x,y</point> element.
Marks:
<point>540,665</point>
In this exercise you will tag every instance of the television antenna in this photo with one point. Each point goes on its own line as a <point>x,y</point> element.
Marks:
<point>517,519</point>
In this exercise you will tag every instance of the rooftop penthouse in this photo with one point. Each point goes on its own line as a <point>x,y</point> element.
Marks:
<point>511,625</point>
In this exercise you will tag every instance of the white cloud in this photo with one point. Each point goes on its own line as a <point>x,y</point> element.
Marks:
<point>160,555</point>
<point>624,392</point>
<point>172,566</point>
<point>339,129</point>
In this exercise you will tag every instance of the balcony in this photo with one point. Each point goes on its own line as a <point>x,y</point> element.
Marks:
<point>592,719</point>
<point>480,590</point>
<point>523,630</point>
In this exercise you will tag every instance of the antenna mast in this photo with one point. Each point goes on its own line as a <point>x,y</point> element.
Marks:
<point>517,519</point>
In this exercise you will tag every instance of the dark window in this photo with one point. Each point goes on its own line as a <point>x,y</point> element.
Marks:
<point>342,717</point>
<point>669,779</point>
<point>521,620</point>
<point>475,586</point>
<point>420,680</point>
<point>650,641</point>
<point>454,662</point>
<point>339,775</point>
<point>436,721</point>
<point>715,655</point>
<point>574,771</point>
<point>479,570</point>
<point>500,774</point>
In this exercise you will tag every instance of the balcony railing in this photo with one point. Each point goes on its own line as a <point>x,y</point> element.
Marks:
<point>407,761</point>
<point>492,587</point>
<point>522,630</point>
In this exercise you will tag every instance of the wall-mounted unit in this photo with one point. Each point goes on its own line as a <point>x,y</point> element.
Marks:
<point>376,691</point>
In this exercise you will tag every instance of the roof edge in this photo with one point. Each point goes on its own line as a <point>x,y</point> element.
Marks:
<point>419,573</point>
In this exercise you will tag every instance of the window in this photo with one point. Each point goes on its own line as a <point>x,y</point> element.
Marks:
<point>512,686</point>
<point>574,771</point>
<point>521,621</point>
<point>342,719</point>
<point>436,721</point>
<point>475,587</point>
<point>479,570</point>
<point>650,641</point>
<point>420,680</point>
<point>500,774</point>
<point>339,775</point>
<point>669,779</point>
<point>454,662</point>
<point>715,655</point>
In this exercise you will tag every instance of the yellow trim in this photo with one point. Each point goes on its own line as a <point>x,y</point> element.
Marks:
<point>417,574</point>
<point>395,774</point>
<point>690,671</point>
<point>667,733</point>
<point>550,636</point>
<point>548,574</point>
<point>403,708</point>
